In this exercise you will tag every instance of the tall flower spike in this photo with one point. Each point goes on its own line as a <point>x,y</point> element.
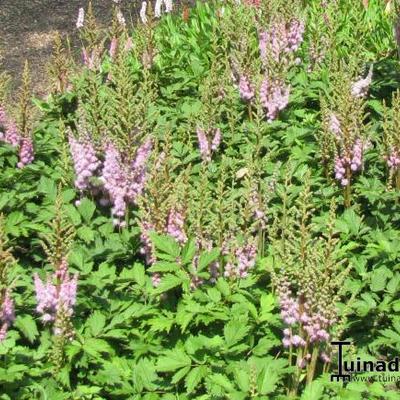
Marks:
<point>7,314</point>
<point>26,154</point>
<point>168,6</point>
<point>204,146</point>
<point>175,225</point>
<point>360,88</point>
<point>81,18</point>
<point>281,39</point>
<point>245,89</point>
<point>157,8</point>
<point>121,18</point>
<point>334,125</point>
<point>142,12</point>
<point>113,47</point>
<point>216,141</point>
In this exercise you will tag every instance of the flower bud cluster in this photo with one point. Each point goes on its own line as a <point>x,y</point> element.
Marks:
<point>393,159</point>
<point>246,90</point>
<point>243,261</point>
<point>85,160</point>
<point>57,294</point>
<point>26,153</point>
<point>306,325</point>
<point>257,208</point>
<point>206,148</point>
<point>175,225</point>
<point>334,125</point>
<point>274,96</point>
<point>7,314</point>
<point>346,165</point>
<point>281,39</point>
<point>360,88</point>
<point>10,134</point>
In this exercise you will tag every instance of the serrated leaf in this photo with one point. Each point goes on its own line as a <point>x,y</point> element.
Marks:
<point>86,208</point>
<point>168,282</point>
<point>223,286</point>
<point>164,266</point>
<point>313,391</point>
<point>234,332</point>
<point>214,295</point>
<point>165,244</point>
<point>264,345</point>
<point>222,381</point>
<point>95,347</point>
<point>27,325</point>
<point>179,375</point>
<point>188,251</point>
<point>267,304</point>
<point>173,360</point>
<point>96,323</point>
<point>194,377</point>
<point>139,274</point>
<point>85,233</point>
<point>207,258</point>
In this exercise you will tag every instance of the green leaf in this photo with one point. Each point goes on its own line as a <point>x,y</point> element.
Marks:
<point>165,244</point>
<point>86,208</point>
<point>85,233</point>
<point>188,251</point>
<point>168,282</point>
<point>267,304</point>
<point>223,286</point>
<point>194,377</point>
<point>264,345</point>
<point>139,274</point>
<point>96,322</point>
<point>313,391</point>
<point>214,295</point>
<point>242,379</point>
<point>48,186</point>
<point>178,376</point>
<point>223,381</point>
<point>27,325</point>
<point>164,266</point>
<point>235,331</point>
<point>207,258</point>
<point>173,360</point>
<point>95,347</point>
<point>144,374</point>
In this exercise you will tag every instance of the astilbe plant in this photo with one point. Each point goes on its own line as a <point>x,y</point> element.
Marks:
<point>7,313</point>
<point>17,132</point>
<point>60,66</point>
<point>56,295</point>
<point>25,120</point>
<point>279,37</point>
<point>309,276</point>
<point>391,142</point>
<point>343,137</point>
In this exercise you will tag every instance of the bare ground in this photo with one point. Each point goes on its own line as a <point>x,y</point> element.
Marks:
<point>28,28</point>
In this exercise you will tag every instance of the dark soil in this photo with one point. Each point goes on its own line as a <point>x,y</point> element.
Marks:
<point>28,28</point>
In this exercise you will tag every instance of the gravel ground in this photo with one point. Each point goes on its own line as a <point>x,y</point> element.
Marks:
<point>28,27</point>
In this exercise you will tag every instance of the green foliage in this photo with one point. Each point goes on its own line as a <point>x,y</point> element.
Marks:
<point>185,326</point>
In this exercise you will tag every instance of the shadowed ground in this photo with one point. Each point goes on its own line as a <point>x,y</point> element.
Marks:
<point>28,27</point>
